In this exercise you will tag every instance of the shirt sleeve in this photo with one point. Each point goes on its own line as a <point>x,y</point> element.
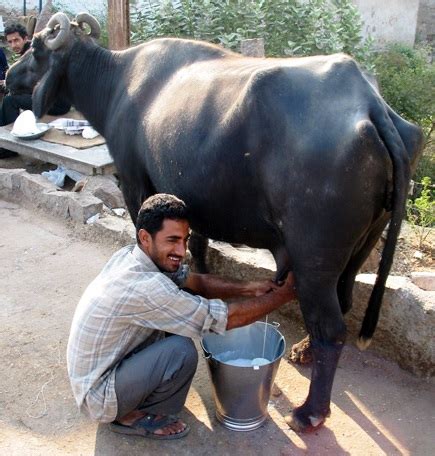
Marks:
<point>167,308</point>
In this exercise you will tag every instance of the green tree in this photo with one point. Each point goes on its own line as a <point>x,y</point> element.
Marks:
<point>406,77</point>
<point>289,27</point>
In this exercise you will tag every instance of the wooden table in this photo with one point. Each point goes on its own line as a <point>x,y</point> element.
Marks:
<point>92,161</point>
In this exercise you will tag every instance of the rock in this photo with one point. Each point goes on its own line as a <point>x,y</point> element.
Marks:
<point>405,331</point>
<point>83,206</point>
<point>119,211</point>
<point>33,187</point>
<point>116,229</point>
<point>424,280</point>
<point>419,255</point>
<point>56,203</point>
<point>242,263</point>
<point>106,190</point>
<point>10,180</point>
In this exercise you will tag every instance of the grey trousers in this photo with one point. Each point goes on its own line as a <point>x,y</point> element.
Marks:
<point>157,378</point>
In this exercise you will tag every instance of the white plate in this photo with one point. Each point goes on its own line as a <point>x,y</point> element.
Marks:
<point>42,127</point>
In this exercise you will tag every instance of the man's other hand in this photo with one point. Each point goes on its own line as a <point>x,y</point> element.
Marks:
<point>261,287</point>
<point>287,287</point>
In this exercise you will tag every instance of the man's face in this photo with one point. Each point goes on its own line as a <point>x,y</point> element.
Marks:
<point>167,248</point>
<point>15,42</point>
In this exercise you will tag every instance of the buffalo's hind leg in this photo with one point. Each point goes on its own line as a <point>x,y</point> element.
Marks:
<point>301,352</point>
<point>317,292</point>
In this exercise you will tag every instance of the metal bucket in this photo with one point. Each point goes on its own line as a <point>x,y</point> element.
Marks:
<point>241,394</point>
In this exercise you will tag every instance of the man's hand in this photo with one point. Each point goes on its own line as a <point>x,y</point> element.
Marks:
<point>248,310</point>
<point>212,286</point>
<point>261,287</point>
<point>287,288</point>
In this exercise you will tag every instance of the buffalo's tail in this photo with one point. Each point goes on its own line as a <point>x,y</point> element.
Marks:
<point>401,176</point>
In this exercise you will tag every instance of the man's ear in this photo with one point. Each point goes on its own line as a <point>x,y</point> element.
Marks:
<point>46,91</point>
<point>145,238</point>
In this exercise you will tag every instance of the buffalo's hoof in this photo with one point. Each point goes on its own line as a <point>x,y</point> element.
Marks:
<point>302,421</point>
<point>301,352</point>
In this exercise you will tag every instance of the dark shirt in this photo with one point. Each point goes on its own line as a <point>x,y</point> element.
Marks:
<point>26,47</point>
<point>3,65</point>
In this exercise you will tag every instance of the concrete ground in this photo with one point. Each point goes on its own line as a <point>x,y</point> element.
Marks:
<point>377,407</point>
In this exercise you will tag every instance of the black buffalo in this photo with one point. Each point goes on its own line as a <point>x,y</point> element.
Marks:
<point>300,156</point>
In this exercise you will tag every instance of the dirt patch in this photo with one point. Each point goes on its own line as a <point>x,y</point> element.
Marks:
<point>411,255</point>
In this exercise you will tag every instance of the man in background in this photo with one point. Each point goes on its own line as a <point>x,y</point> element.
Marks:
<point>13,104</point>
<point>17,38</point>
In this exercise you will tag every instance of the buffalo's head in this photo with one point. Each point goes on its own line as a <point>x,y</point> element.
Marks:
<point>42,68</point>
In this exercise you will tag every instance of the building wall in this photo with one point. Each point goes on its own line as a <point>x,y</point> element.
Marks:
<point>426,21</point>
<point>390,20</point>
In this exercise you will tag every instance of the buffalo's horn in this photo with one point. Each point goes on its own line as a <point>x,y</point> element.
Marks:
<point>94,25</point>
<point>55,42</point>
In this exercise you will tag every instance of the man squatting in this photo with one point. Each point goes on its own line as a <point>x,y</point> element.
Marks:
<point>130,355</point>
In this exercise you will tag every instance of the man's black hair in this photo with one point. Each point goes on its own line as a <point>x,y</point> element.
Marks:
<point>15,27</point>
<point>156,209</point>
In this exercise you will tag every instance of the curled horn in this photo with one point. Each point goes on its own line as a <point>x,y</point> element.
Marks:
<point>94,25</point>
<point>55,42</point>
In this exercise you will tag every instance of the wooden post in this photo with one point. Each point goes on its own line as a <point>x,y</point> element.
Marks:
<point>253,47</point>
<point>118,24</point>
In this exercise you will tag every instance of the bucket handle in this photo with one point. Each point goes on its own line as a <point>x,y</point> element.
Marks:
<point>273,323</point>
<point>206,354</point>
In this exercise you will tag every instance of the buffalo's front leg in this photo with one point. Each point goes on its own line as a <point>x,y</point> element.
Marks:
<point>316,407</point>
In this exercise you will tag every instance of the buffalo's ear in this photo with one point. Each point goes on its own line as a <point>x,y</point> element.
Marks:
<point>47,90</point>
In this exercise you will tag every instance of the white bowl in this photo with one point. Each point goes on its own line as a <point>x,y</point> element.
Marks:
<point>41,128</point>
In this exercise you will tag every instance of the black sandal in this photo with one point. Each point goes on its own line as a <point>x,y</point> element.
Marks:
<point>146,426</point>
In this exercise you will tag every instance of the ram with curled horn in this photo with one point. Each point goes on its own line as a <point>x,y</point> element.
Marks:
<point>300,156</point>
